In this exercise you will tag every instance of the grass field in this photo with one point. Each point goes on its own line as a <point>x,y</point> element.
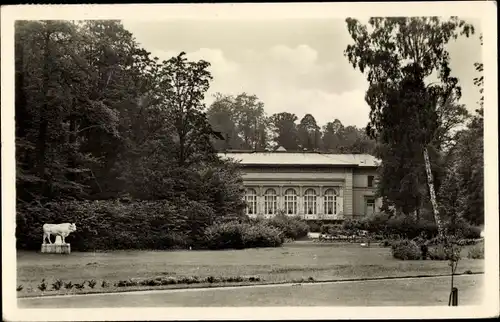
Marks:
<point>288,263</point>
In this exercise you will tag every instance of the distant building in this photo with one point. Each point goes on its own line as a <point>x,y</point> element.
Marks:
<point>315,186</point>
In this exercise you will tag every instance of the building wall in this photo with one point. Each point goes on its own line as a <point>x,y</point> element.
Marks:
<point>360,176</point>
<point>361,191</point>
<point>359,201</point>
<point>351,185</point>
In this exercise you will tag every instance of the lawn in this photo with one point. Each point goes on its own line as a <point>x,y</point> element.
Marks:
<point>288,263</point>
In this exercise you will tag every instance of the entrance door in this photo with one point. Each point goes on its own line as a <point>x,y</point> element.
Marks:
<point>370,206</point>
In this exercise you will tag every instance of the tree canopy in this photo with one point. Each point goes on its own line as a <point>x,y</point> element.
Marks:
<point>409,115</point>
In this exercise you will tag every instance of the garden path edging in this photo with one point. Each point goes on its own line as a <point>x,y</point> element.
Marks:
<point>269,284</point>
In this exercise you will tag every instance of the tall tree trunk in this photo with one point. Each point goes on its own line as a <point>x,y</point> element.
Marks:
<point>44,123</point>
<point>430,181</point>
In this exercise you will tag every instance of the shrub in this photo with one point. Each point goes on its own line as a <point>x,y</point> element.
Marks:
<point>92,283</point>
<point>331,229</point>
<point>406,250</point>
<point>225,235</point>
<point>238,235</point>
<point>42,286</point>
<point>386,243</point>
<point>476,252</point>
<point>124,283</point>
<point>292,227</point>
<point>113,224</point>
<point>462,228</point>
<point>57,285</point>
<point>467,242</point>
<point>314,226</point>
<point>352,226</point>
<point>261,236</point>
<point>438,252</point>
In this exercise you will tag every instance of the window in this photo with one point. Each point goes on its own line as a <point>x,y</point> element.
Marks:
<point>370,181</point>
<point>370,206</point>
<point>330,202</point>
<point>251,199</point>
<point>310,202</point>
<point>270,202</point>
<point>290,202</point>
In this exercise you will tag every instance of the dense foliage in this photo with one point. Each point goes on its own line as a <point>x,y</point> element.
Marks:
<point>97,118</point>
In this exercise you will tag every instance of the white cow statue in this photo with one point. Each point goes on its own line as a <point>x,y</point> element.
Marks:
<point>62,230</point>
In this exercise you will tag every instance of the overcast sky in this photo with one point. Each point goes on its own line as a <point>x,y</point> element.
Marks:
<point>291,65</point>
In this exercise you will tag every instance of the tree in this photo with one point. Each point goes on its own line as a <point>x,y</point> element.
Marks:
<point>182,89</point>
<point>221,117</point>
<point>332,136</point>
<point>462,192</point>
<point>285,130</point>
<point>309,133</point>
<point>251,121</point>
<point>398,54</point>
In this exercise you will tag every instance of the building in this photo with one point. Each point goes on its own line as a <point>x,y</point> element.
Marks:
<point>315,186</point>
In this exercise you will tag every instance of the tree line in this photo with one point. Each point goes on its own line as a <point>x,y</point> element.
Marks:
<point>245,125</point>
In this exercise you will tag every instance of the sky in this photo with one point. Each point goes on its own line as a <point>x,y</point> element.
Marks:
<point>292,65</point>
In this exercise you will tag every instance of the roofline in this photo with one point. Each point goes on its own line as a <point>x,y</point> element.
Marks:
<point>302,165</point>
<point>299,152</point>
<point>315,165</point>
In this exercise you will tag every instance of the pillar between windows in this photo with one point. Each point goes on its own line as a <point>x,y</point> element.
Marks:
<point>281,201</point>
<point>321,202</point>
<point>260,209</point>
<point>300,201</point>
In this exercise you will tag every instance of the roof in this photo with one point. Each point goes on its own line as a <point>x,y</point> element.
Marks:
<point>304,159</point>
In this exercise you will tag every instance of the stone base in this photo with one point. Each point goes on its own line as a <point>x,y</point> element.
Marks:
<point>56,249</point>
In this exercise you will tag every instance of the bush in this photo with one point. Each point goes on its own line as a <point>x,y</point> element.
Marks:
<point>404,226</point>
<point>438,252</point>
<point>238,235</point>
<point>462,228</point>
<point>468,242</point>
<point>112,224</point>
<point>314,226</point>
<point>386,243</point>
<point>406,250</point>
<point>261,236</point>
<point>292,227</point>
<point>476,252</point>
<point>225,235</point>
<point>331,229</point>
<point>352,226</point>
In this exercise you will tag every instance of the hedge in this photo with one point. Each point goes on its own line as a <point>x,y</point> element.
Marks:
<point>109,225</point>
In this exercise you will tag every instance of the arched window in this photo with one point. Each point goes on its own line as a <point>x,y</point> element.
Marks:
<point>290,202</point>
<point>310,202</point>
<point>330,201</point>
<point>270,202</point>
<point>251,199</point>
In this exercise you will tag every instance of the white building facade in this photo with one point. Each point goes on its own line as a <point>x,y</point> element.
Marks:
<point>314,186</point>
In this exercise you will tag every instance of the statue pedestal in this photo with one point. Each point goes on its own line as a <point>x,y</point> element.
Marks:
<point>56,248</point>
